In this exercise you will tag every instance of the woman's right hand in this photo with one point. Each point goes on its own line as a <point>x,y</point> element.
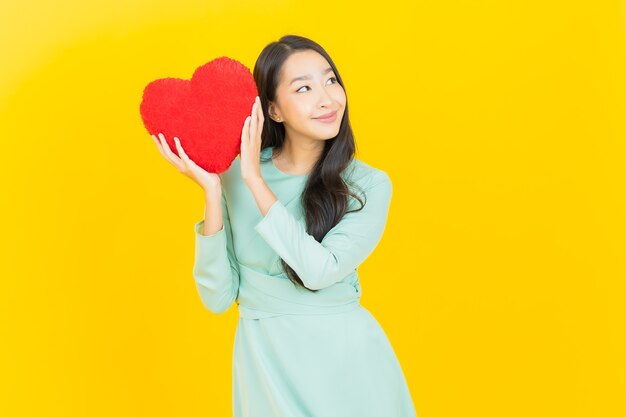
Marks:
<point>209,181</point>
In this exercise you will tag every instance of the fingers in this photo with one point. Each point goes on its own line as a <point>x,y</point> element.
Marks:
<point>260,111</point>
<point>254,119</point>
<point>166,148</point>
<point>169,155</point>
<point>245,132</point>
<point>181,152</point>
<point>253,126</point>
<point>260,118</point>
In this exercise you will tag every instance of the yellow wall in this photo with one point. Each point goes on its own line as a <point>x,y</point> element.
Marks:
<point>499,280</point>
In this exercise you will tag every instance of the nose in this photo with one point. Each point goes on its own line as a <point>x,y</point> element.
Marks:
<point>325,99</point>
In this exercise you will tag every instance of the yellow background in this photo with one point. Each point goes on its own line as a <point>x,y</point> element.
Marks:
<point>500,277</point>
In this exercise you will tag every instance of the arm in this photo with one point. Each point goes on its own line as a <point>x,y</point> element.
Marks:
<point>345,246</point>
<point>215,269</point>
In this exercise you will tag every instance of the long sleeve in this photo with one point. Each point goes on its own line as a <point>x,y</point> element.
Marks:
<point>345,246</point>
<point>215,269</point>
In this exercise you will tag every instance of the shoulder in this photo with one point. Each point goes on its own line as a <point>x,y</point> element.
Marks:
<point>365,176</point>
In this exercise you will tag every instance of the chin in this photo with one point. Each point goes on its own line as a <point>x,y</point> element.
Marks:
<point>329,134</point>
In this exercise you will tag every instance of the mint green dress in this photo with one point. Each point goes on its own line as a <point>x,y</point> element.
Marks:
<point>298,353</point>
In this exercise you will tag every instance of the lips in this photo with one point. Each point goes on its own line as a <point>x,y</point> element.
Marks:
<point>327,115</point>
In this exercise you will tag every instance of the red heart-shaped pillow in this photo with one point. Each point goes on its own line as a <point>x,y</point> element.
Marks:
<point>206,113</point>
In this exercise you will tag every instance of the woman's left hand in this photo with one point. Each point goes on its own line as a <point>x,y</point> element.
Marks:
<point>251,143</point>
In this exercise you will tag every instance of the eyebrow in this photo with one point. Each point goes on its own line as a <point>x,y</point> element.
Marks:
<point>308,77</point>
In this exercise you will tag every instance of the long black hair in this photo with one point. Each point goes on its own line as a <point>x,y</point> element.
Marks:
<point>325,195</point>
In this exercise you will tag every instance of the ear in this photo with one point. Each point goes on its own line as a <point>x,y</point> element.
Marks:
<point>271,110</point>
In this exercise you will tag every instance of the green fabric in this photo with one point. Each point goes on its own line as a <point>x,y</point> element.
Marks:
<point>298,353</point>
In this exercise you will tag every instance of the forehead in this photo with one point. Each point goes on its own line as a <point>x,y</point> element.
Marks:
<point>303,63</point>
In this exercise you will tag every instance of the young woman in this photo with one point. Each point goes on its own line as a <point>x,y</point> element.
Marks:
<point>284,229</point>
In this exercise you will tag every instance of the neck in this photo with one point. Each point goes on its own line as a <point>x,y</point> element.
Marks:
<point>298,157</point>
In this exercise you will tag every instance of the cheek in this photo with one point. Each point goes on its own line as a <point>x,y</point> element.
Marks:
<point>300,109</point>
<point>340,96</point>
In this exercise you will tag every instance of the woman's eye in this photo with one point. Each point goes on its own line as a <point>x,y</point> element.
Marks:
<point>331,78</point>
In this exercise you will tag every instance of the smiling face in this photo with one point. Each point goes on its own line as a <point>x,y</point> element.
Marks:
<point>307,90</point>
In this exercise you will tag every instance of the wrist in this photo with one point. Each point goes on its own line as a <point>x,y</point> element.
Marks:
<point>254,181</point>
<point>213,192</point>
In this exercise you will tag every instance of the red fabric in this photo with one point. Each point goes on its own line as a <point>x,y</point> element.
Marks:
<point>206,113</point>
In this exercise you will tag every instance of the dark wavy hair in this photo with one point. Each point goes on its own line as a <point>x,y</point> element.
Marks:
<point>325,195</point>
